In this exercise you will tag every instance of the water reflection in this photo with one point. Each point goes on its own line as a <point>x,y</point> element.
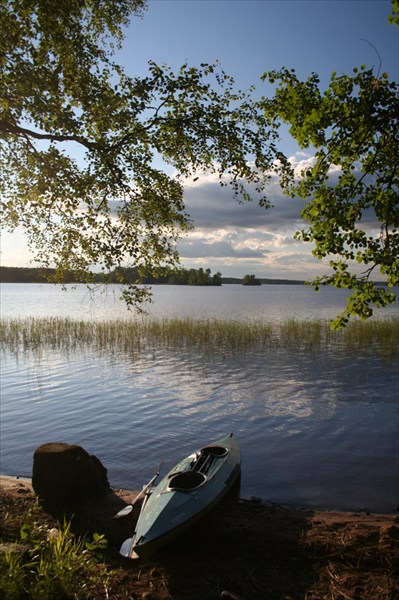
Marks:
<point>314,428</point>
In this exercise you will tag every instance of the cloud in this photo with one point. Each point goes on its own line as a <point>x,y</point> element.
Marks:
<point>237,238</point>
<point>214,207</point>
<point>218,249</point>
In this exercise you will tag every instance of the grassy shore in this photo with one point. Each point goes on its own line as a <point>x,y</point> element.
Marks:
<point>254,551</point>
<point>379,337</point>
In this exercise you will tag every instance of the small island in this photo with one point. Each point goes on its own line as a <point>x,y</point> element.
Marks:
<point>251,280</point>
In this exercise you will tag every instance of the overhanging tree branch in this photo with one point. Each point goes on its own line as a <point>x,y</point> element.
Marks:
<point>8,127</point>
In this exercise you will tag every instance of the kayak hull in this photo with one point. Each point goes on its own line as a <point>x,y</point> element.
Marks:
<point>184,496</point>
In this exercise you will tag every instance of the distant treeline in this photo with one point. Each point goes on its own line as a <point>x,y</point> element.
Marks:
<point>131,275</point>
<point>29,275</point>
<point>120,275</point>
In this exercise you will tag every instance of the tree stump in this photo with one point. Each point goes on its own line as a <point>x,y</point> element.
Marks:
<point>65,475</point>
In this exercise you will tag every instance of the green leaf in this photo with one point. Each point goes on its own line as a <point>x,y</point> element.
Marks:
<point>25,531</point>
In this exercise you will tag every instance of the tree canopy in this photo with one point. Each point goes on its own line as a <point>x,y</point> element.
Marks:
<point>81,139</point>
<point>394,17</point>
<point>82,142</point>
<point>351,189</point>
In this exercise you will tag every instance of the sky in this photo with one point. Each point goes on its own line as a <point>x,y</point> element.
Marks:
<point>249,37</point>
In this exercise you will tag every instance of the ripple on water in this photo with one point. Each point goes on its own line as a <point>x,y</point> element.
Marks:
<point>315,429</point>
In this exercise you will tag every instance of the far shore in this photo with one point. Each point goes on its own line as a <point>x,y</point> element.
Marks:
<point>41,275</point>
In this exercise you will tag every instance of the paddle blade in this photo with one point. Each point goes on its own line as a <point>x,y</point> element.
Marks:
<point>126,510</point>
<point>126,549</point>
<point>145,491</point>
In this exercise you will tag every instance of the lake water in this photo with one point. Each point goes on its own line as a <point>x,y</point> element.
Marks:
<point>316,429</point>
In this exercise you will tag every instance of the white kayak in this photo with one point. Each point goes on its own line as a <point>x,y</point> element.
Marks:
<point>190,490</point>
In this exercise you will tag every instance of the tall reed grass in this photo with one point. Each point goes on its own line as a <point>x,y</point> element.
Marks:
<point>380,337</point>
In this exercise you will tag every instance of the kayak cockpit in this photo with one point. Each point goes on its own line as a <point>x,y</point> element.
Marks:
<point>217,451</point>
<point>186,481</point>
<point>204,464</point>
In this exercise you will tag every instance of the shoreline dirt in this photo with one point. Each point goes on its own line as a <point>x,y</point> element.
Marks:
<point>244,549</point>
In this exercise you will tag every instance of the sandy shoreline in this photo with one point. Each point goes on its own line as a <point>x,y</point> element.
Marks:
<point>8,482</point>
<point>257,551</point>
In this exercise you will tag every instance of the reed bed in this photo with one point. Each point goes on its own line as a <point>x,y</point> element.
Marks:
<point>380,337</point>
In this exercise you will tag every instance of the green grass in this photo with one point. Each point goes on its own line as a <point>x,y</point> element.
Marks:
<point>380,337</point>
<point>54,565</point>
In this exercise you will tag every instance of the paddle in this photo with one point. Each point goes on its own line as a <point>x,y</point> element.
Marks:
<point>145,491</point>
<point>126,549</point>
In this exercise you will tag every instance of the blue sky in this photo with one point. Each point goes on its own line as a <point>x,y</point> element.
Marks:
<point>249,37</point>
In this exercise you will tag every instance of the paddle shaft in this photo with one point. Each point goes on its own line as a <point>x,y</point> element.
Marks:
<point>129,507</point>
